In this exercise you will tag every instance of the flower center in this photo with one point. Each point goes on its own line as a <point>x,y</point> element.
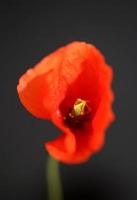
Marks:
<point>80,113</point>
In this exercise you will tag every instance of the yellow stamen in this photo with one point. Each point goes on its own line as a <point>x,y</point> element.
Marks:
<point>79,114</point>
<point>78,108</point>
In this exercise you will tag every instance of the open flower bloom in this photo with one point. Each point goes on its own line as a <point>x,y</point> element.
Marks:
<point>72,88</point>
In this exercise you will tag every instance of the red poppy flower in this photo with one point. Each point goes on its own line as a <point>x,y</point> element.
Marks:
<point>72,88</point>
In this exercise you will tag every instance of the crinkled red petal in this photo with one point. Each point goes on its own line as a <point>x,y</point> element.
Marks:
<point>70,147</point>
<point>33,88</point>
<point>93,84</point>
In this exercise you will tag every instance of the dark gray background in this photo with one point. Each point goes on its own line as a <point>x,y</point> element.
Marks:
<point>30,31</point>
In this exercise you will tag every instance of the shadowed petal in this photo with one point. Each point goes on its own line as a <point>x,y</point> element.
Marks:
<point>70,147</point>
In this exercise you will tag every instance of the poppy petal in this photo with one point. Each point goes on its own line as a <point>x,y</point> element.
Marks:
<point>70,147</point>
<point>96,76</point>
<point>33,86</point>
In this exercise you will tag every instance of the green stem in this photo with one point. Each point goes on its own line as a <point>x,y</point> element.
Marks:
<point>53,180</point>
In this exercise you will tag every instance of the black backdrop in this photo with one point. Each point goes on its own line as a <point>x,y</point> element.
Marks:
<point>28,32</point>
